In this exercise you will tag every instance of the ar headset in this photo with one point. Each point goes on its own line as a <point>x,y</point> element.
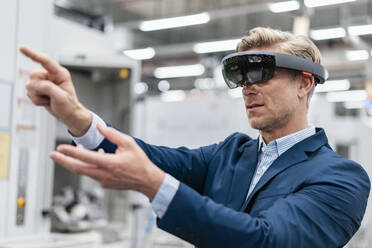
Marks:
<point>249,67</point>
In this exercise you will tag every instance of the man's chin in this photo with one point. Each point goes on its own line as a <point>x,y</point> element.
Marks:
<point>256,125</point>
<point>260,125</point>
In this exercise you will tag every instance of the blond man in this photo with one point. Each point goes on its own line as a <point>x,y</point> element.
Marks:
<point>286,188</point>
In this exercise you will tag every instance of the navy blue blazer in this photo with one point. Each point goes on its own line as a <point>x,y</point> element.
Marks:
<point>309,197</point>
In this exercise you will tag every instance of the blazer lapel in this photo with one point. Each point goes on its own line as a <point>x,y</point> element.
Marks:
<point>294,155</point>
<point>243,174</point>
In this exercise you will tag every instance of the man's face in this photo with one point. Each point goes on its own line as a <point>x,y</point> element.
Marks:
<point>270,105</point>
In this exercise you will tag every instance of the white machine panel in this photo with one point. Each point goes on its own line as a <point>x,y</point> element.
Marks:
<point>5,106</point>
<point>8,20</point>
<point>25,171</point>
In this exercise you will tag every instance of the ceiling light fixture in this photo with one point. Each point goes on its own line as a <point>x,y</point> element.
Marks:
<point>285,6</point>
<point>63,3</point>
<point>140,54</point>
<point>173,96</point>
<point>356,55</point>
<point>179,71</point>
<point>333,85</point>
<point>360,30</point>
<point>215,46</point>
<point>347,96</point>
<point>354,105</point>
<point>163,85</point>
<point>327,34</point>
<point>174,22</point>
<point>140,88</point>
<point>320,3</point>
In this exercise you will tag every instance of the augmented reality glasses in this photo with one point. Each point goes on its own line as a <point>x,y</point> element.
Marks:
<point>249,67</point>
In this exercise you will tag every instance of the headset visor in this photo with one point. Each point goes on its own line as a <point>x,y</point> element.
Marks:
<point>245,68</point>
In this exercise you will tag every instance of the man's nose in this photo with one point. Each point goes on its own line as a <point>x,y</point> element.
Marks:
<point>250,89</point>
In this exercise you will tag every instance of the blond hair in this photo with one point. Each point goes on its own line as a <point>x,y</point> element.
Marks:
<point>297,45</point>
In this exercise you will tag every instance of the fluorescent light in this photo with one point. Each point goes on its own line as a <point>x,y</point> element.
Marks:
<point>360,30</point>
<point>284,6</point>
<point>179,71</point>
<point>63,3</point>
<point>140,88</point>
<point>334,85</point>
<point>357,55</point>
<point>173,96</point>
<point>347,96</point>
<point>204,83</point>
<point>354,105</point>
<point>236,93</point>
<point>329,33</point>
<point>216,46</point>
<point>163,85</point>
<point>174,22</point>
<point>140,54</point>
<point>319,3</point>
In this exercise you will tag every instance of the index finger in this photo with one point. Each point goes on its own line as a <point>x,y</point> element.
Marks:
<point>49,64</point>
<point>101,160</point>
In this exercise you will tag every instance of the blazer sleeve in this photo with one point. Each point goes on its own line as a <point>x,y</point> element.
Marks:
<point>325,214</point>
<point>189,166</point>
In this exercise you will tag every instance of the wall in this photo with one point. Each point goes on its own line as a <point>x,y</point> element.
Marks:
<point>354,132</point>
<point>210,118</point>
<point>196,121</point>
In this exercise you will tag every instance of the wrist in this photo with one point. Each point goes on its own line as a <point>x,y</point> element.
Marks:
<point>79,122</point>
<point>152,181</point>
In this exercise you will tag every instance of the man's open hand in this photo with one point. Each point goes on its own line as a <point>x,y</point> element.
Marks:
<point>127,168</point>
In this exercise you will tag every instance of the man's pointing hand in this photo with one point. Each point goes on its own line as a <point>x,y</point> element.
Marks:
<point>52,88</point>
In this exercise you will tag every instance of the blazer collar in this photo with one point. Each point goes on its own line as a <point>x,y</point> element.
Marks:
<point>292,156</point>
<point>243,172</point>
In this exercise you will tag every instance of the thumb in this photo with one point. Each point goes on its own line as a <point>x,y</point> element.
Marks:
<point>116,137</point>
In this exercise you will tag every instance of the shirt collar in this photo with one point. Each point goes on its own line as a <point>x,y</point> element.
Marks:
<point>284,143</point>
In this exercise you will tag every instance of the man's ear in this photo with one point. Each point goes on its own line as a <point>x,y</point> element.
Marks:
<point>305,86</point>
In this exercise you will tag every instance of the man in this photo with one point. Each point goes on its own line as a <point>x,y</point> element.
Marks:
<point>285,189</point>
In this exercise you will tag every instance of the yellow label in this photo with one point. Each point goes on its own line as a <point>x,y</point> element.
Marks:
<point>369,89</point>
<point>124,73</point>
<point>21,202</point>
<point>4,154</point>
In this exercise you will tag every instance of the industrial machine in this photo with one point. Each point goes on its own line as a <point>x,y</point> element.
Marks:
<point>27,133</point>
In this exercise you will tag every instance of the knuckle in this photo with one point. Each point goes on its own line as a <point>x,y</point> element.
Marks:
<point>36,74</point>
<point>33,99</point>
<point>28,85</point>
<point>65,72</point>
<point>43,86</point>
<point>132,141</point>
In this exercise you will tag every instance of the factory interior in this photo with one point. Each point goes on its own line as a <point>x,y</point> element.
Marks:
<point>152,68</point>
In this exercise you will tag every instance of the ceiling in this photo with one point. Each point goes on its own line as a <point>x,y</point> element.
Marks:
<point>229,19</point>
